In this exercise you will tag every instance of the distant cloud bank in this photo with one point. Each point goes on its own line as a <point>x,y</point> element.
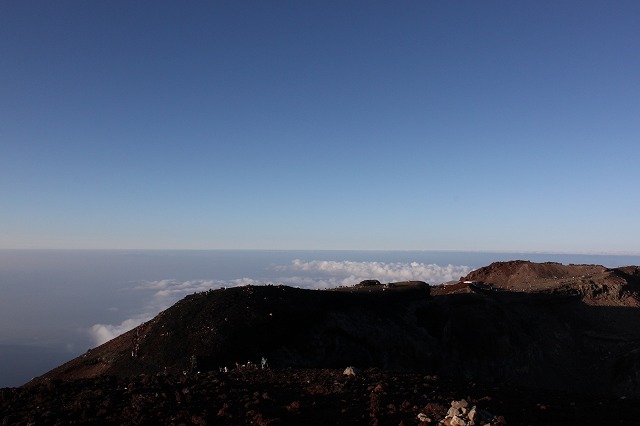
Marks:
<point>383,271</point>
<point>318,274</point>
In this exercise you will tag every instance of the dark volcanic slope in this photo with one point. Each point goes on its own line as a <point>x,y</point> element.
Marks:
<point>289,326</point>
<point>565,327</point>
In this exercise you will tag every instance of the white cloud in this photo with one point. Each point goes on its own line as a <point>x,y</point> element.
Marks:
<point>101,333</point>
<point>326,274</point>
<point>383,271</point>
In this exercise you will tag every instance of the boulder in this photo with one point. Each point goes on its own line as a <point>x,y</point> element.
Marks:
<point>349,371</point>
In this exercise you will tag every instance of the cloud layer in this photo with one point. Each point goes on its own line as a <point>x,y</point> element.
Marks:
<point>383,271</point>
<point>315,274</point>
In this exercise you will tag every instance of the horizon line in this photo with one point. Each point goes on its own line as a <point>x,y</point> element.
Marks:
<point>558,252</point>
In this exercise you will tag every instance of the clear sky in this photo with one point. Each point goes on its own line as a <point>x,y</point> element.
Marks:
<point>462,125</point>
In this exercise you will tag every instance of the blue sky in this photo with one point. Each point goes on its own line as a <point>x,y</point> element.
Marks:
<point>455,125</point>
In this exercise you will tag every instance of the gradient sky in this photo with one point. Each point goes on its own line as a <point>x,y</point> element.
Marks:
<point>462,125</point>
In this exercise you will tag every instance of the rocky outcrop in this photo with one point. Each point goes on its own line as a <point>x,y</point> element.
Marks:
<point>462,413</point>
<point>587,281</point>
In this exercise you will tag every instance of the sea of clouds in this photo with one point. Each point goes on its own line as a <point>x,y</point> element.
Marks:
<point>315,274</point>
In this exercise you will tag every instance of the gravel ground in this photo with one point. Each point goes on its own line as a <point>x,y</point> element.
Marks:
<point>297,397</point>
